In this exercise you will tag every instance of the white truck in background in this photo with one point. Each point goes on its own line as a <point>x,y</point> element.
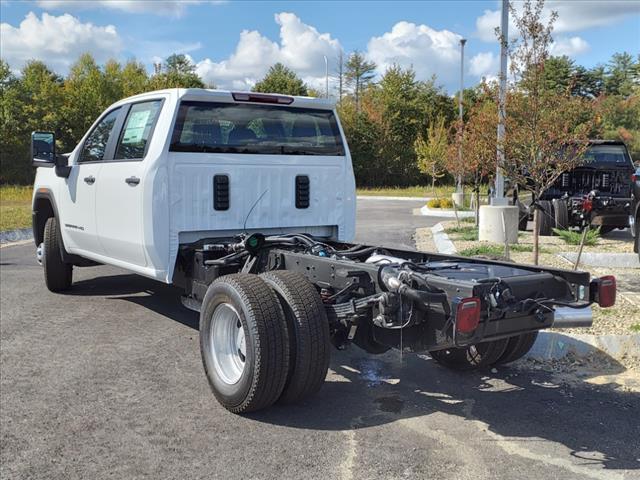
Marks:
<point>246,201</point>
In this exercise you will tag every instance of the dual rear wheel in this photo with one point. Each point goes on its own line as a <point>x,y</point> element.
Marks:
<point>263,339</point>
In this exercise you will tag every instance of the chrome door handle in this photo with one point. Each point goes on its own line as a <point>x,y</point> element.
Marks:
<point>132,180</point>
<point>90,179</point>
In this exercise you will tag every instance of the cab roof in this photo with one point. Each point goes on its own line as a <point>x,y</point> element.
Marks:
<point>226,96</point>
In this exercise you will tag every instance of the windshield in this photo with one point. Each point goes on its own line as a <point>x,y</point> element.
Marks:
<point>606,154</point>
<point>255,129</point>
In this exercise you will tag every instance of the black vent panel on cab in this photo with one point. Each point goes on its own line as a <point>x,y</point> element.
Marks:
<point>302,191</point>
<point>221,192</point>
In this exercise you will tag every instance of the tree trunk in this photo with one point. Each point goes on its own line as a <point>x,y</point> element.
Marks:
<point>433,184</point>
<point>536,237</point>
<point>477,206</point>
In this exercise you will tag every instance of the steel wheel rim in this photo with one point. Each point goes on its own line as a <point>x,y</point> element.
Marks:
<point>40,253</point>
<point>228,344</point>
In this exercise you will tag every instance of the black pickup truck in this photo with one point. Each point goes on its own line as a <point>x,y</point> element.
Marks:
<point>597,193</point>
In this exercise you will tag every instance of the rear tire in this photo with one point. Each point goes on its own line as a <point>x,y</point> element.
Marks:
<point>244,343</point>
<point>547,219</point>
<point>473,357</point>
<point>517,347</point>
<point>561,214</point>
<point>308,329</point>
<point>58,275</point>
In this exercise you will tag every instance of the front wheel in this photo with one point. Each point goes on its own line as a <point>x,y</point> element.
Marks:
<point>58,275</point>
<point>244,343</point>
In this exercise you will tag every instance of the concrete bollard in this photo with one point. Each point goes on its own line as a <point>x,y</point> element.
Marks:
<point>491,228</point>
<point>458,199</point>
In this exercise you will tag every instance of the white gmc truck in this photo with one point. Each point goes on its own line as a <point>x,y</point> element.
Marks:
<point>246,202</point>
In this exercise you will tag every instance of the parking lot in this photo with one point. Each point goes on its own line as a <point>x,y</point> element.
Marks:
<point>106,382</point>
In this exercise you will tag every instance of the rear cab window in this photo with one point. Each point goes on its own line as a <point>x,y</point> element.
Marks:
<point>216,127</point>
<point>609,155</point>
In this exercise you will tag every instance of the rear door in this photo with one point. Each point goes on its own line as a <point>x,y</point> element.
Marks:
<point>119,197</point>
<point>77,197</point>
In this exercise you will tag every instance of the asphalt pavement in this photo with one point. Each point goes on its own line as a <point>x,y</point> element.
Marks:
<point>106,382</point>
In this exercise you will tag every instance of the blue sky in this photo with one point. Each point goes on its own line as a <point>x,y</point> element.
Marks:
<point>233,43</point>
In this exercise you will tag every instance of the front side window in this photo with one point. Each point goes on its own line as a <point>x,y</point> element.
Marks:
<point>137,129</point>
<point>255,129</point>
<point>96,144</point>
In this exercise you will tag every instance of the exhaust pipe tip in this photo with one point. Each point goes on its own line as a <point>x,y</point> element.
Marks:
<point>566,317</point>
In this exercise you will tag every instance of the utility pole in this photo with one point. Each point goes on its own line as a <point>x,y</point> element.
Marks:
<point>459,188</point>
<point>326,76</point>
<point>498,196</point>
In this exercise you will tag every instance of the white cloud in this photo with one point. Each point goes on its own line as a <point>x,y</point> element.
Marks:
<point>569,46</point>
<point>428,51</point>
<point>484,64</point>
<point>172,8</point>
<point>58,41</point>
<point>573,16</point>
<point>301,48</point>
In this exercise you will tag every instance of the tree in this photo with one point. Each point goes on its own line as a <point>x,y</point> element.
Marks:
<point>86,96</point>
<point>177,72</point>
<point>281,79</point>
<point>479,144</point>
<point>543,133</point>
<point>432,152</point>
<point>358,74</point>
<point>133,78</point>
<point>623,74</point>
<point>30,102</point>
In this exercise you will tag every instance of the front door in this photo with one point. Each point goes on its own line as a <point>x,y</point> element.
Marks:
<point>77,208</point>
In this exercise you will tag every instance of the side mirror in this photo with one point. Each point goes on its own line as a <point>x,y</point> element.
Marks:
<point>43,149</point>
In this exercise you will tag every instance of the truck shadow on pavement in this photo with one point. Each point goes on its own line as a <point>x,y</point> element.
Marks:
<point>597,423</point>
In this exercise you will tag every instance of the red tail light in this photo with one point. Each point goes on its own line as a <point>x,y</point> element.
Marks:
<point>467,314</point>
<point>634,177</point>
<point>261,98</point>
<point>587,205</point>
<point>606,291</point>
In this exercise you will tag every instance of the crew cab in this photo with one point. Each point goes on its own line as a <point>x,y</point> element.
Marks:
<point>246,202</point>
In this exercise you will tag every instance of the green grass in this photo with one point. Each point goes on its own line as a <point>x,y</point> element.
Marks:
<point>635,327</point>
<point>489,250</point>
<point>416,191</point>
<point>573,237</point>
<point>463,232</point>
<point>15,207</point>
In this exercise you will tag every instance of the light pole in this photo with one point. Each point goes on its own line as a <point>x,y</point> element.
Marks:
<point>459,188</point>
<point>498,195</point>
<point>326,77</point>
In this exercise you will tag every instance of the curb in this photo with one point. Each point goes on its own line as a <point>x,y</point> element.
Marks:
<point>441,239</point>
<point>432,212</point>
<point>11,236</point>
<point>618,260</point>
<point>554,346</point>
<point>409,199</point>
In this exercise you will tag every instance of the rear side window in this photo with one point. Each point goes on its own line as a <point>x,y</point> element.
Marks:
<point>96,143</point>
<point>607,155</point>
<point>137,129</point>
<point>255,129</point>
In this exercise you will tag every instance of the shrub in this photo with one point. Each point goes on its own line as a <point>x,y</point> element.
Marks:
<point>440,203</point>
<point>573,237</point>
